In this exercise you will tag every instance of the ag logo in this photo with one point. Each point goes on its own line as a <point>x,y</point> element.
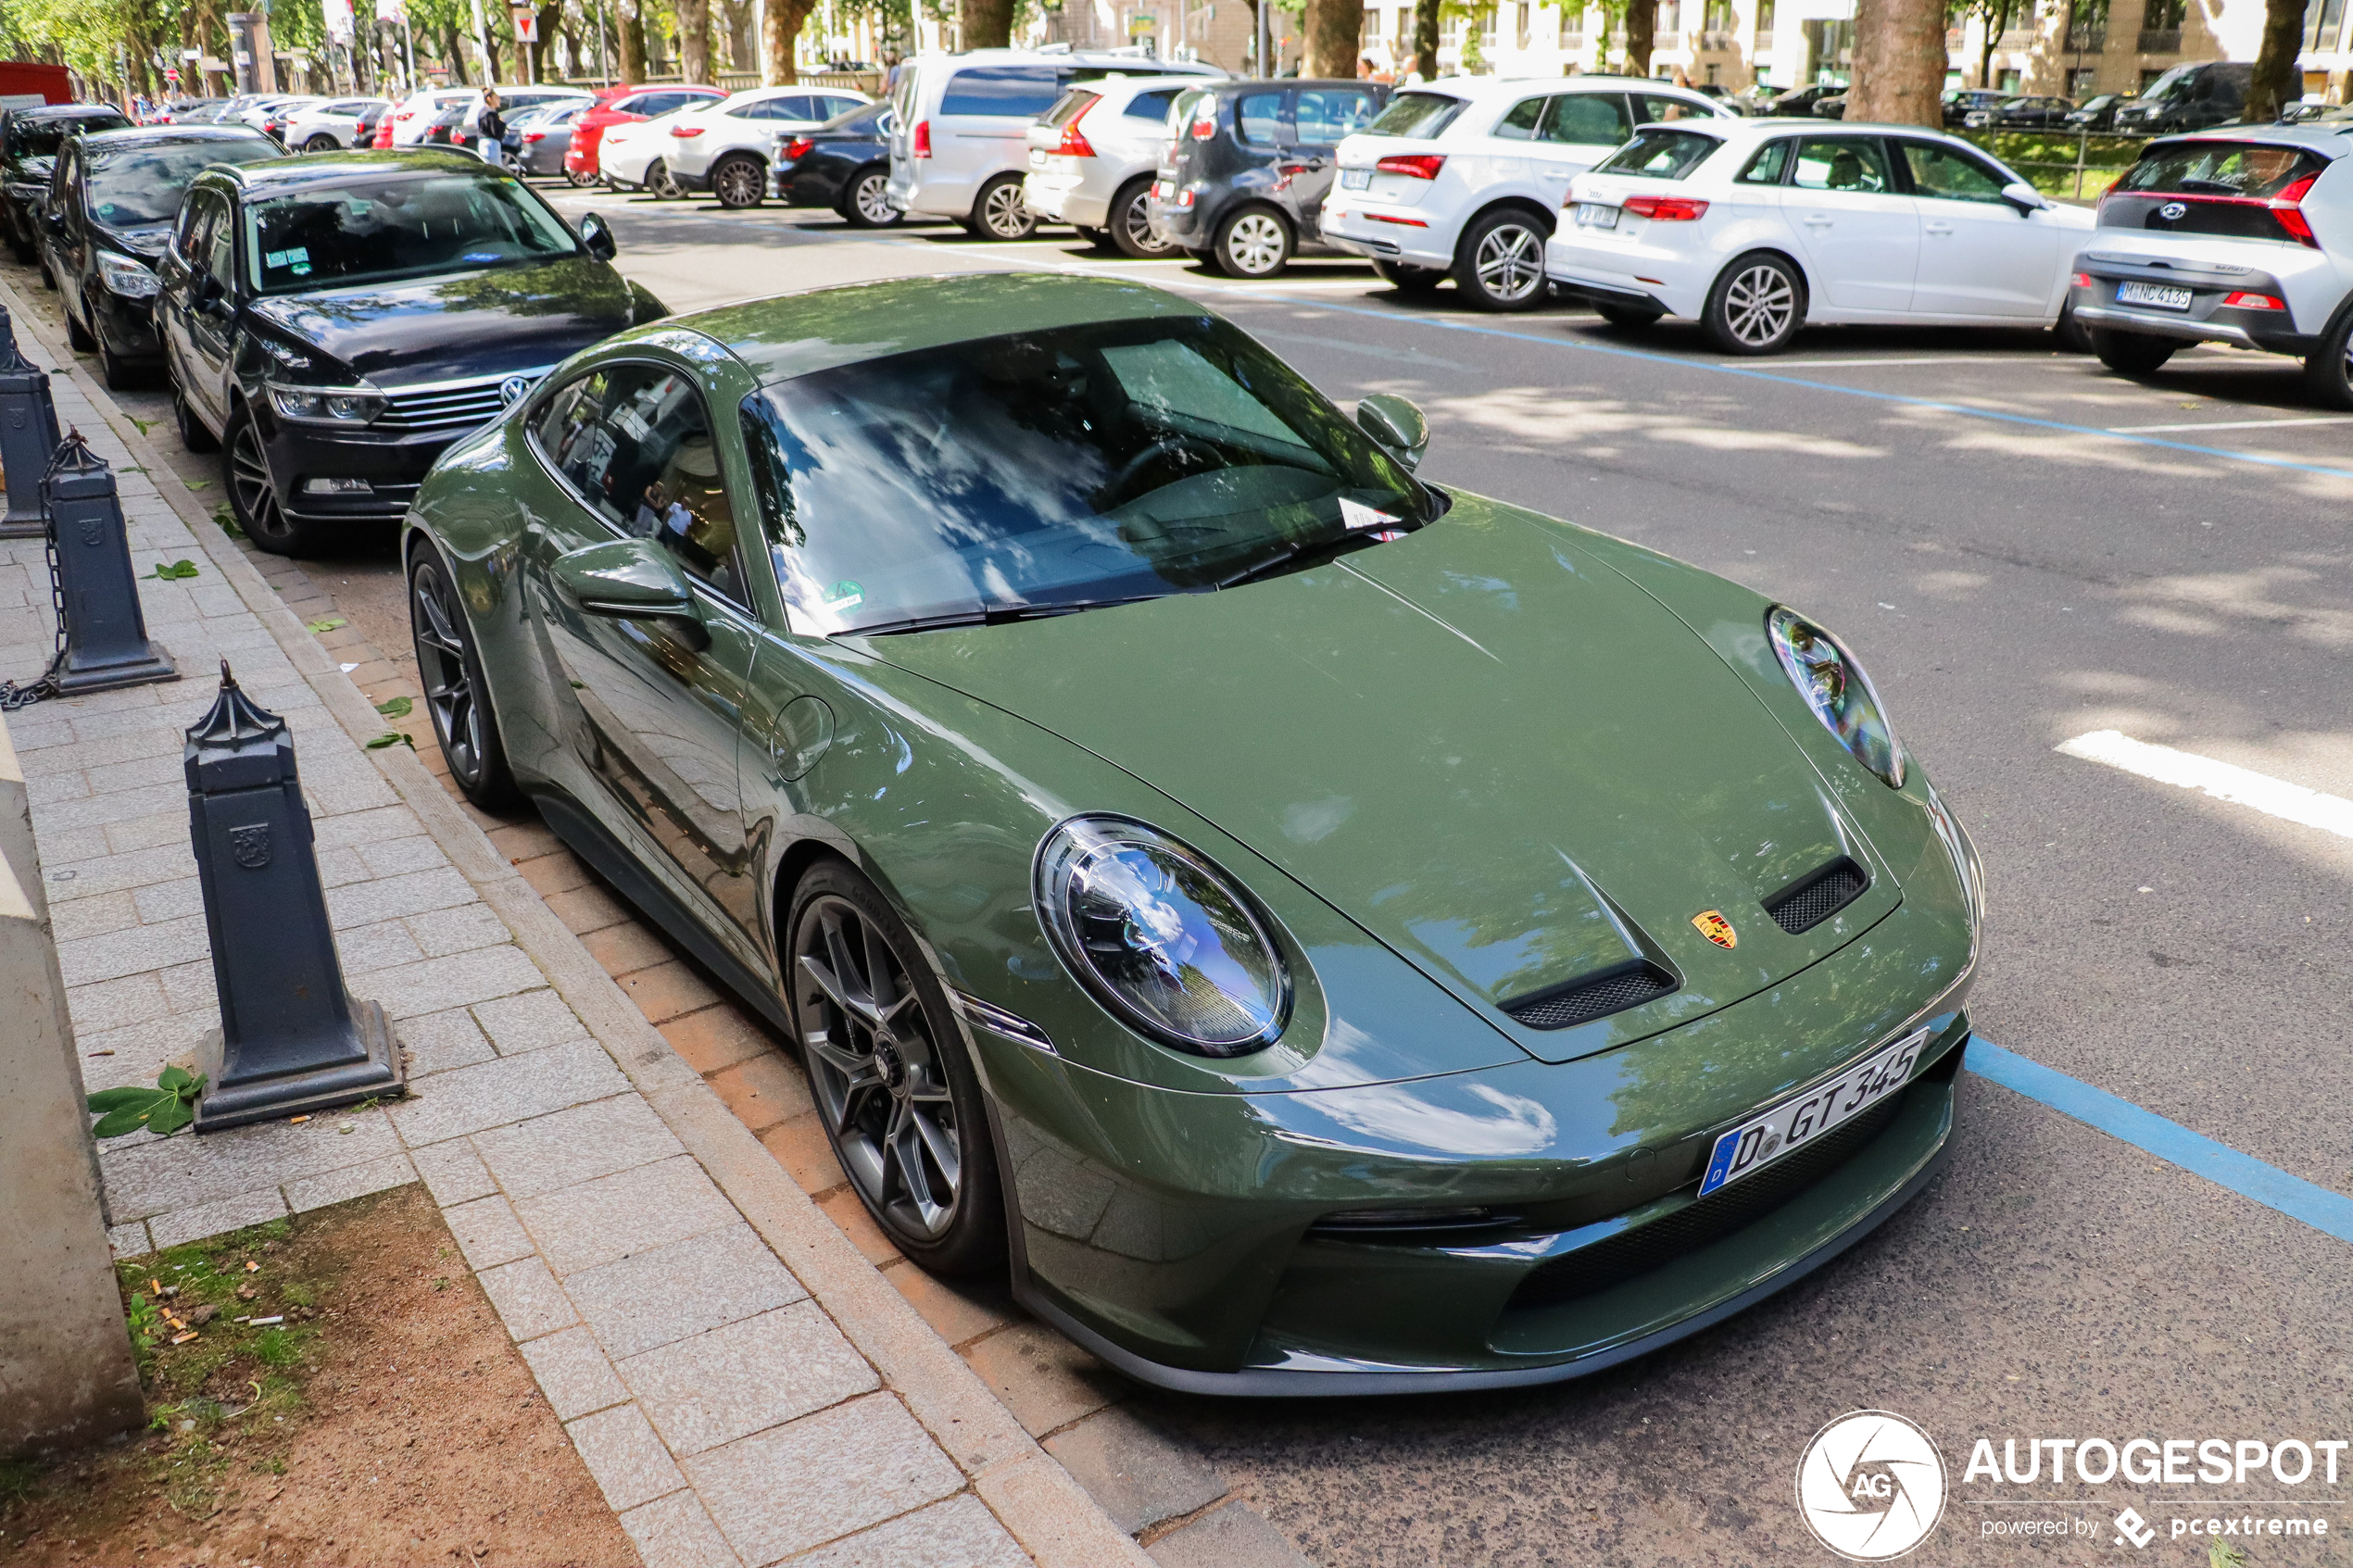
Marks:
<point>1716,928</point>
<point>2173,212</point>
<point>510,391</point>
<point>1871,1486</point>
<point>250,846</point>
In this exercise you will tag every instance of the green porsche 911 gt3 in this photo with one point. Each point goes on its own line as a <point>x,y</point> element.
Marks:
<point>1324,932</point>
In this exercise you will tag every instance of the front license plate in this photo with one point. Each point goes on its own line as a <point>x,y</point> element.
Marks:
<point>2158,295</point>
<point>1356,179</point>
<point>1593,215</point>
<point>1794,1124</point>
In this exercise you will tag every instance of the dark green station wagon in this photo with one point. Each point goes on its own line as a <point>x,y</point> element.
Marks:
<point>1323,933</point>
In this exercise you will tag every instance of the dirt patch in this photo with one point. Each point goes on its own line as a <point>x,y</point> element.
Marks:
<point>385,1418</point>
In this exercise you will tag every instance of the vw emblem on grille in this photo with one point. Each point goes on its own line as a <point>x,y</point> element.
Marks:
<point>510,391</point>
<point>2173,212</point>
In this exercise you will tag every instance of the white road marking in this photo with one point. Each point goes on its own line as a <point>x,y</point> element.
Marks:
<point>2236,424</point>
<point>2027,358</point>
<point>2241,787</point>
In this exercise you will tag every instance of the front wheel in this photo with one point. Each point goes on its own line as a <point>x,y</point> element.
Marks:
<point>1500,263</point>
<point>738,181</point>
<point>2329,373</point>
<point>2071,336</point>
<point>321,143</point>
<point>456,695</point>
<point>580,178</point>
<point>1253,243</point>
<point>866,201</point>
<point>1407,279</point>
<point>1000,213</point>
<point>1131,222</point>
<point>658,181</point>
<point>1756,307</point>
<point>2131,353</point>
<point>253,494</point>
<point>894,1091</point>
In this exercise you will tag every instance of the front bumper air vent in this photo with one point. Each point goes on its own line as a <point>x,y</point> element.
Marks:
<point>1581,1001</point>
<point>1816,895</point>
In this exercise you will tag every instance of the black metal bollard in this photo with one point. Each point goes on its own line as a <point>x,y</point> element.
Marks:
<point>28,435</point>
<point>291,1038</point>
<point>105,631</point>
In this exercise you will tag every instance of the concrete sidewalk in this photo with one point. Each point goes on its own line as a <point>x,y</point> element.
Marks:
<point>743,1385</point>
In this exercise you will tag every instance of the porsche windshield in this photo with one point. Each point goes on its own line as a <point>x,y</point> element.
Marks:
<point>1061,470</point>
<point>399,226</point>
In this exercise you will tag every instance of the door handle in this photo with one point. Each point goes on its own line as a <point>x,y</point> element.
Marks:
<point>1817,219</point>
<point>1937,228</point>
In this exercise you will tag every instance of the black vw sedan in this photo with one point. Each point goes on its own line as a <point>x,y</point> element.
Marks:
<point>335,322</point>
<point>112,200</point>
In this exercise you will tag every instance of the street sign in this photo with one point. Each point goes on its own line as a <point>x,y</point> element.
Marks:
<point>526,25</point>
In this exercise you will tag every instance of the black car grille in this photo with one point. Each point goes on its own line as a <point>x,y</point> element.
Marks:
<point>1581,1001</point>
<point>448,406</point>
<point>1816,895</point>
<point>1632,1253</point>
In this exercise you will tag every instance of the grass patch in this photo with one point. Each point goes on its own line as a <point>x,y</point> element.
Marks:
<point>2047,159</point>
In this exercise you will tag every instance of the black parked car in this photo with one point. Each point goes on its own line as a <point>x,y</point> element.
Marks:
<point>28,143</point>
<point>2097,113</point>
<point>843,164</point>
<point>1800,101</point>
<point>1962,102</point>
<point>2189,97</point>
<point>1252,167</point>
<point>337,320</point>
<point>112,201</point>
<point>2026,113</point>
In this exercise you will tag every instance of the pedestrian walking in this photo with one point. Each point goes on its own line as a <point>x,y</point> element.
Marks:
<point>493,126</point>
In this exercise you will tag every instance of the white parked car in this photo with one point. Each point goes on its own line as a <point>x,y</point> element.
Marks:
<point>1465,176</point>
<point>1092,155</point>
<point>2241,235</point>
<point>724,148</point>
<point>1755,228</point>
<point>959,133</point>
<point>414,115</point>
<point>633,155</point>
<point>325,126</point>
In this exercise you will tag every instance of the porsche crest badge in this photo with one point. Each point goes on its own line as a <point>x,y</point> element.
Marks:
<point>1716,928</point>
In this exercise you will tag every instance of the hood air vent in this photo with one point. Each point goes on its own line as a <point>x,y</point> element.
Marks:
<point>1816,895</point>
<point>1581,1001</point>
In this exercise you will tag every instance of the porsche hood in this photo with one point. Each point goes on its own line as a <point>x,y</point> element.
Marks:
<point>1494,752</point>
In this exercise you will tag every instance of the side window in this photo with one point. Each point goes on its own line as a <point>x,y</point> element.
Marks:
<point>1326,114</point>
<point>220,249</point>
<point>1519,125</point>
<point>1151,106</point>
<point>1259,117</point>
<point>196,217</point>
<point>1846,163</point>
<point>1657,107</point>
<point>828,108</point>
<point>634,440</point>
<point>1767,166</point>
<point>1589,118</point>
<point>1026,90</point>
<point>1949,174</point>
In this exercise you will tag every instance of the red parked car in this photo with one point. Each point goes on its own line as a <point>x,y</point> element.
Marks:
<point>613,107</point>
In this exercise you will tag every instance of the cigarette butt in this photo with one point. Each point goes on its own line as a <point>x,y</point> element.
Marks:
<point>291,1119</point>
<point>252,1267</point>
<point>184,1338</point>
<point>102,1053</point>
<point>264,1322</point>
<point>156,1285</point>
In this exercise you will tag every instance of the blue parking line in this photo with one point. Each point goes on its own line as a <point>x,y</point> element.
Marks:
<point>2330,1212</point>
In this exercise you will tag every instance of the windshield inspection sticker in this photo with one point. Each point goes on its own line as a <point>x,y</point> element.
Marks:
<point>845,596</point>
<point>1355,515</point>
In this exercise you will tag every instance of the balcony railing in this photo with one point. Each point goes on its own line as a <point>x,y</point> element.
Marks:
<point>1715,38</point>
<point>2087,40</point>
<point>1764,40</point>
<point>1573,41</point>
<point>2160,40</point>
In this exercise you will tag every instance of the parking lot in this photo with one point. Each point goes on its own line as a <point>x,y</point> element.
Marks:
<point>2028,551</point>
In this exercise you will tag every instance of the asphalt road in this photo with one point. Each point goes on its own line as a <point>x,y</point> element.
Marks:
<point>2024,549</point>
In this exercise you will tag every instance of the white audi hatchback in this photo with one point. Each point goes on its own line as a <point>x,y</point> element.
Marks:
<point>1464,176</point>
<point>1757,228</point>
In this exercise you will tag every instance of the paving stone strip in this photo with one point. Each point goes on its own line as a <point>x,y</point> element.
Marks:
<point>743,1383</point>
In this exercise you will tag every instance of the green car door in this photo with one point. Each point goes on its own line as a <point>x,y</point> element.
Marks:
<point>648,716</point>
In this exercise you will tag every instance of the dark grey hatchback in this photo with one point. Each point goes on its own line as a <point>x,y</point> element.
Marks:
<point>1244,172</point>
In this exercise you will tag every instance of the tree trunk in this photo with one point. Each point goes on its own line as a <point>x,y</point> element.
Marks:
<point>1642,31</point>
<point>1425,61</point>
<point>629,41</point>
<point>543,54</point>
<point>988,24</point>
<point>1335,38</point>
<point>1899,63</point>
<point>735,18</point>
<point>694,40</point>
<point>2276,84</point>
<point>780,30</point>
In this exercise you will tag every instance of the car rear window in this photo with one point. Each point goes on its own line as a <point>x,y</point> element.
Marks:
<point>1152,106</point>
<point>1659,154</point>
<point>1028,91</point>
<point>1415,114</point>
<point>1070,105</point>
<point>2257,169</point>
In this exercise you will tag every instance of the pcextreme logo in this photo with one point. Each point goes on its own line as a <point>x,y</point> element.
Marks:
<point>1871,1486</point>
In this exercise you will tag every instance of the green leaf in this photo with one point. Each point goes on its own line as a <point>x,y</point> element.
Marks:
<point>163,1110</point>
<point>173,573</point>
<point>396,709</point>
<point>144,425</point>
<point>175,1078</point>
<point>171,1117</point>
<point>115,1099</point>
<point>130,1118</point>
<point>390,737</point>
<point>326,623</point>
<point>197,483</point>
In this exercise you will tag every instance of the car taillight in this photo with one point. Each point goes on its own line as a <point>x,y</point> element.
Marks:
<point>1205,119</point>
<point>795,150</point>
<point>2286,208</point>
<point>534,135</point>
<point>1667,210</point>
<point>2252,302</point>
<point>685,131</point>
<point>922,138</point>
<point>1419,166</point>
<point>1074,143</point>
<point>2081,280</point>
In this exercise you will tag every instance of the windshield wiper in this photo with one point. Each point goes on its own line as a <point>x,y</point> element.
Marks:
<point>1298,555</point>
<point>991,615</point>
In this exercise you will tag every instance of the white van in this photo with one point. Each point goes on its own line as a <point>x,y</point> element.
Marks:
<point>960,135</point>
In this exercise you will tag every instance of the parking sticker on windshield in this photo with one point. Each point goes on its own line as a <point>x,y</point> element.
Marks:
<point>294,258</point>
<point>1354,515</point>
<point>845,596</point>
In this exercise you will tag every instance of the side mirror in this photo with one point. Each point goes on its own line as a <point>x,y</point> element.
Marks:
<point>204,293</point>
<point>1396,424</point>
<point>2024,198</point>
<point>631,580</point>
<point>595,238</point>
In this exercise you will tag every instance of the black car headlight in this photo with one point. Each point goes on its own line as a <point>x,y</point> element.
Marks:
<point>325,404</point>
<point>123,276</point>
<point>1834,686</point>
<point>1161,937</point>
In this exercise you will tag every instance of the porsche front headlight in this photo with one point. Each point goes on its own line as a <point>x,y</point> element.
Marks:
<point>1834,686</point>
<point>1161,937</point>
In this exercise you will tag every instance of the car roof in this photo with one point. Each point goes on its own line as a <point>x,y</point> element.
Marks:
<point>795,334</point>
<point>164,135</point>
<point>67,111</point>
<point>1232,85</point>
<point>320,169</point>
<point>1092,60</point>
<point>1474,88</point>
<point>2328,143</point>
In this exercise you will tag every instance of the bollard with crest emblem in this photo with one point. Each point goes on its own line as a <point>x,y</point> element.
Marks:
<point>291,1040</point>
<point>28,435</point>
<point>104,629</point>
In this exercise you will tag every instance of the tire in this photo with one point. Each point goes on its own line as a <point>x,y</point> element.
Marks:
<point>77,335</point>
<point>194,436</point>
<point>2070,335</point>
<point>1253,243</point>
<point>1499,263</point>
<point>253,494</point>
<point>1130,222</point>
<point>322,143</point>
<point>1204,258</point>
<point>2131,353</point>
<point>894,1091</point>
<point>2329,371</point>
<point>660,184</point>
<point>999,212</point>
<point>1628,318</point>
<point>1409,280</point>
<point>578,181</point>
<point>1756,307</point>
<point>740,180</point>
<point>1099,238</point>
<point>862,203</point>
<point>118,376</point>
<point>456,697</point>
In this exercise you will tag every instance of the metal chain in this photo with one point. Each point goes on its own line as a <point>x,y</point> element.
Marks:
<point>12,696</point>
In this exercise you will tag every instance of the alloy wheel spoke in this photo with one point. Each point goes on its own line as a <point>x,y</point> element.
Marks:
<point>857,1070</point>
